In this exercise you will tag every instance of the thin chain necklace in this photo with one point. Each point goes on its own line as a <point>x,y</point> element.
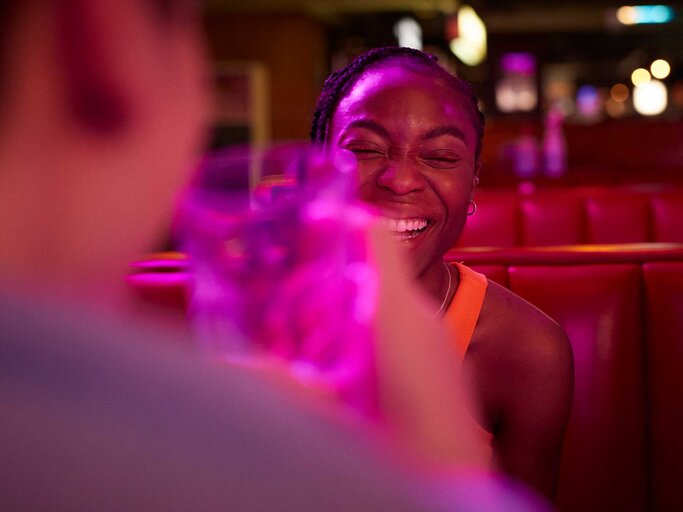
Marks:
<point>448,290</point>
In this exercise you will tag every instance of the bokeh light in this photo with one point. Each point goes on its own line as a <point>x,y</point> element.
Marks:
<point>660,69</point>
<point>650,98</point>
<point>626,15</point>
<point>615,109</point>
<point>677,94</point>
<point>637,14</point>
<point>470,45</point>
<point>408,33</point>
<point>619,93</point>
<point>588,101</point>
<point>516,96</point>
<point>654,14</point>
<point>640,76</point>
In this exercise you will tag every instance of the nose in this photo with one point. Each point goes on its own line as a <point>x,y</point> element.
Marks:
<point>401,177</point>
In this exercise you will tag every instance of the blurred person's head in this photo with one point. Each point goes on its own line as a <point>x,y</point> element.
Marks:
<point>102,105</point>
<point>416,132</point>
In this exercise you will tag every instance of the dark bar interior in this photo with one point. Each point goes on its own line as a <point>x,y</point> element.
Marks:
<point>341,255</point>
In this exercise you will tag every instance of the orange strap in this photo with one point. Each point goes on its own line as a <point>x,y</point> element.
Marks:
<point>463,313</point>
<point>461,319</point>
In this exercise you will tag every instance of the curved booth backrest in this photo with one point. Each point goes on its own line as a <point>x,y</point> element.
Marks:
<point>574,216</point>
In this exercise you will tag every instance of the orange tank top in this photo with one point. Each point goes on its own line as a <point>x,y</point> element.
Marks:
<point>462,315</point>
<point>461,319</point>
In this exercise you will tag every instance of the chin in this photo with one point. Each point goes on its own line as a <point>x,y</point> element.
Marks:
<point>422,263</point>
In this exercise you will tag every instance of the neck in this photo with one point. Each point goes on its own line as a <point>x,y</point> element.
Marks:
<point>441,282</point>
<point>447,294</point>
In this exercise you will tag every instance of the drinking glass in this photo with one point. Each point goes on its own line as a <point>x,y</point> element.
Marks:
<point>281,268</point>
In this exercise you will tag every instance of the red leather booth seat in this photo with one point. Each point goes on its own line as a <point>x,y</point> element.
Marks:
<point>623,311</point>
<point>578,215</point>
<point>664,294</point>
<point>622,307</point>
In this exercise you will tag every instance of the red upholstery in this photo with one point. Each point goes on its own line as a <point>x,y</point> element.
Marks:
<point>603,466</point>
<point>567,255</point>
<point>574,216</point>
<point>497,273</point>
<point>162,279</point>
<point>664,291</point>
<point>622,307</point>
<point>618,219</point>
<point>667,213</point>
<point>495,223</point>
<point>168,290</point>
<point>565,217</point>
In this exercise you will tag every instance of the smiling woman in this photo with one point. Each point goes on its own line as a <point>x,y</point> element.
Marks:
<point>416,133</point>
<point>414,144</point>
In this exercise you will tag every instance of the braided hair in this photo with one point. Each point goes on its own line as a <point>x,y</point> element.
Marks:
<point>340,82</point>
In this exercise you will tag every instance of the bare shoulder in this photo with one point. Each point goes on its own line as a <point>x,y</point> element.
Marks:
<point>521,366</point>
<point>511,324</point>
<point>518,353</point>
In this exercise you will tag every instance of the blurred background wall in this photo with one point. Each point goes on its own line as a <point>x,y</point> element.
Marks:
<point>557,80</point>
<point>290,49</point>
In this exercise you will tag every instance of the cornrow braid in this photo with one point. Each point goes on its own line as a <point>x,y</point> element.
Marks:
<point>340,82</point>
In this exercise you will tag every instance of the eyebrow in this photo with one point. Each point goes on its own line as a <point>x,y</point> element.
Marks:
<point>370,125</point>
<point>444,130</point>
<point>434,133</point>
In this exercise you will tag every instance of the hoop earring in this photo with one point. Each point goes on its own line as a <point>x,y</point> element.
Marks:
<point>473,208</point>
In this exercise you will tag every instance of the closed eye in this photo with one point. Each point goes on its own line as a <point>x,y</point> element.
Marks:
<point>441,159</point>
<point>366,152</point>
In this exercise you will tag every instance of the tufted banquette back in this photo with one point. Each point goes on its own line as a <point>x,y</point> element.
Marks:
<point>578,215</point>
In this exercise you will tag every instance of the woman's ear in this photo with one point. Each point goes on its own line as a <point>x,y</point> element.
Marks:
<point>475,179</point>
<point>95,95</point>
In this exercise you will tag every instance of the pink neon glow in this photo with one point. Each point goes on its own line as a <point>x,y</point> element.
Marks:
<point>287,265</point>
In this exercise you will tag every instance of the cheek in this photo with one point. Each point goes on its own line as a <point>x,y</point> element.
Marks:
<point>454,195</point>
<point>458,202</point>
<point>454,192</point>
<point>367,180</point>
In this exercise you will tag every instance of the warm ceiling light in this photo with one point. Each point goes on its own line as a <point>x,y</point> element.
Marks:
<point>408,33</point>
<point>650,98</point>
<point>619,93</point>
<point>470,45</point>
<point>636,14</point>
<point>660,69</point>
<point>640,76</point>
<point>627,15</point>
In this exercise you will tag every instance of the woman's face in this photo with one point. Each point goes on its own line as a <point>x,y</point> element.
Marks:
<point>415,143</point>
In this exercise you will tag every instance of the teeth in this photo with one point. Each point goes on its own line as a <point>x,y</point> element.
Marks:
<point>403,225</point>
